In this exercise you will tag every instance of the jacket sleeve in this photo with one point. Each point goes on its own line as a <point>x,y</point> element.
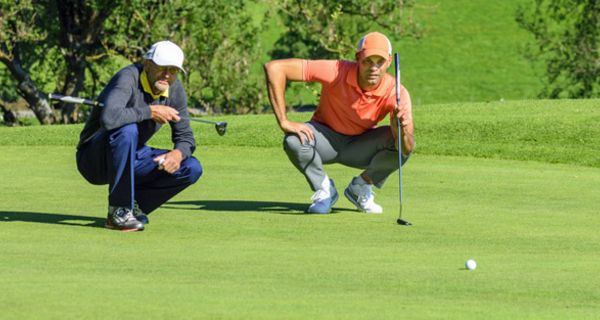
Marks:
<point>181,132</point>
<point>119,105</point>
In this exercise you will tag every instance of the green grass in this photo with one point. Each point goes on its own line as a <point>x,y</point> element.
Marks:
<point>471,51</point>
<point>237,245</point>
<point>556,131</point>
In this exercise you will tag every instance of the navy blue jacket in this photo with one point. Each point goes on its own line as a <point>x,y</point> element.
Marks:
<point>126,102</point>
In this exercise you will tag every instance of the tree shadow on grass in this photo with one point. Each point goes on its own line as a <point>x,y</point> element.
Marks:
<point>246,206</point>
<point>52,218</point>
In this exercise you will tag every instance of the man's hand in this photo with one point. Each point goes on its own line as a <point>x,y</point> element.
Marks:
<point>170,161</point>
<point>302,130</point>
<point>401,113</point>
<point>163,114</point>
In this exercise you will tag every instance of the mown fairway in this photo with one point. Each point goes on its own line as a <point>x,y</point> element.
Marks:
<point>238,246</point>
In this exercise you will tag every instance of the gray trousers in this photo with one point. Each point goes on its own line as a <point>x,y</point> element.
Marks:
<point>374,151</point>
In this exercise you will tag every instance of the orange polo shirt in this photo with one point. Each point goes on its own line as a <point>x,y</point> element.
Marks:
<point>344,106</point>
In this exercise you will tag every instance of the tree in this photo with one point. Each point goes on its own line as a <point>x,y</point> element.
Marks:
<point>94,38</point>
<point>81,33</point>
<point>19,34</point>
<point>566,34</point>
<point>331,29</point>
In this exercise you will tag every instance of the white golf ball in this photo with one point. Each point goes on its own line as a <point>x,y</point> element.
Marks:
<point>471,264</point>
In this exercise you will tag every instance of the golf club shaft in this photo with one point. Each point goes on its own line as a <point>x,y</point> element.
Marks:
<point>69,99</point>
<point>205,121</point>
<point>399,137</point>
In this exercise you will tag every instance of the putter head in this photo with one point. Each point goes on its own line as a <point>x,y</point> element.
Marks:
<point>403,222</point>
<point>221,127</point>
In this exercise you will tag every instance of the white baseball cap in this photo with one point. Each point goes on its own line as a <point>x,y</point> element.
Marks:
<point>166,53</point>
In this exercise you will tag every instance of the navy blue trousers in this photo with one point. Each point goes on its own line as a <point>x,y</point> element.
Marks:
<point>118,158</point>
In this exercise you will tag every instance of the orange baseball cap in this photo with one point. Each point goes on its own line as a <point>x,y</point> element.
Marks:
<point>374,43</point>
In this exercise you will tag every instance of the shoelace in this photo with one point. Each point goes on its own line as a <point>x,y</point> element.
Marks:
<point>365,194</point>
<point>124,214</point>
<point>136,209</point>
<point>320,195</point>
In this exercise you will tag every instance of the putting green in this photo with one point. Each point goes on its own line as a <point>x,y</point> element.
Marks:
<point>238,246</point>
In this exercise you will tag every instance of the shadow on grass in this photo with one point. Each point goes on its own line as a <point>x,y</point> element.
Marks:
<point>52,218</point>
<point>246,206</point>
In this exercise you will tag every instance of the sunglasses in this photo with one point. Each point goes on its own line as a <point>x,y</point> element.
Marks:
<point>161,69</point>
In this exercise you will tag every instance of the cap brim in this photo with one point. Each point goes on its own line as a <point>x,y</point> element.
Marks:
<point>167,65</point>
<point>374,52</point>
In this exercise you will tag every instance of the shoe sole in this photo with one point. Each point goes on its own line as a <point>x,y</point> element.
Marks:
<point>110,226</point>
<point>349,197</point>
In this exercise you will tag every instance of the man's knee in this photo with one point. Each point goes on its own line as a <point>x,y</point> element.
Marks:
<point>193,169</point>
<point>296,151</point>
<point>292,143</point>
<point>128,132</point>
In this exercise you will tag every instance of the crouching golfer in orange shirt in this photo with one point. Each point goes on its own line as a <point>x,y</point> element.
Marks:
<point>355,96</point>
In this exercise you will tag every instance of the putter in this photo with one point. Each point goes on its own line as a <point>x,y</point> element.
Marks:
<point>221,127</point>
<point>400,221</point>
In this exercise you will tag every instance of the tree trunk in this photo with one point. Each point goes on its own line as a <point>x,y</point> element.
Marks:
<point>27,89</point>
<point>81,29</point>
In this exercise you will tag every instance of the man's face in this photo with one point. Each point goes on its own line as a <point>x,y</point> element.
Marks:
<point>160,77</point>
<point>371,70</point>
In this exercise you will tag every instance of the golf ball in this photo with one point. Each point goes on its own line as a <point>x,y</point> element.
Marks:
<point>471,264</point>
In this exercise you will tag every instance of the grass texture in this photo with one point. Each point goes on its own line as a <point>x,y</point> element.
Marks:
<point>555,131</point>
<point>237,245</point>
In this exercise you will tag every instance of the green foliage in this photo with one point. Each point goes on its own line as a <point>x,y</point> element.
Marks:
<point>567,36</point>
<point>221,57</point>
<point>18,22</point>
<point>24,32</point>
<point>218,38</point>
<point>330,29</point>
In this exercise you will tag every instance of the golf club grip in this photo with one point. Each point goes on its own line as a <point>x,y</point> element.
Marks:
<point>397,75</point>
<point>69,99</point>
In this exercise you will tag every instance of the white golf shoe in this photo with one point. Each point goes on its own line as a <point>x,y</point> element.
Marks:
<point>361,195</point>
<point>323,200</point>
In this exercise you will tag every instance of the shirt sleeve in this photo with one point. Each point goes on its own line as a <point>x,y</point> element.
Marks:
<point>323,71</point>
<point>116,98</point>
<point>182,135</point>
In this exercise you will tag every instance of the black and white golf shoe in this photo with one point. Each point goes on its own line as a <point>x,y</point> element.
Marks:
<point>121,218</point>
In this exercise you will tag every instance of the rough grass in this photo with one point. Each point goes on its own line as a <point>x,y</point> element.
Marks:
<point>555,131</point>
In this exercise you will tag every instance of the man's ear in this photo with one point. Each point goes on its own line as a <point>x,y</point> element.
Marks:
<point>388,62</point>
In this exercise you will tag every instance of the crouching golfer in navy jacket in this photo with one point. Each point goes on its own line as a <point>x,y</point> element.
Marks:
<point>112,148</point>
